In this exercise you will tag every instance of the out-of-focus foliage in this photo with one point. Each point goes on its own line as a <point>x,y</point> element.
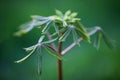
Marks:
<point>89,65</point>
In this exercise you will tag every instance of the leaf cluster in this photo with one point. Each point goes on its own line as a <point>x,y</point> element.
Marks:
<point>63,25</point>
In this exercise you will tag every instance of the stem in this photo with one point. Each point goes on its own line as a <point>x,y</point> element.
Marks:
<point>60,52</point>
<point>60,75</point>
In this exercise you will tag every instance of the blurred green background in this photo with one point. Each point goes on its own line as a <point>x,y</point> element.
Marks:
<point>81,63</point>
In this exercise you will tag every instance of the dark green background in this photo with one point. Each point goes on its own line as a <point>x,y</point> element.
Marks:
<point>81,63</point>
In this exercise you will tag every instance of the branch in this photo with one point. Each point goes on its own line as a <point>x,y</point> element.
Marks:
<point>97,28</point>
<point>51,48</point>
<point>53,44</point>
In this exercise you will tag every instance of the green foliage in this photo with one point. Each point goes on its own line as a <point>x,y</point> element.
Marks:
<point>63,25</point>
<point>101,35</point>
<point>39,45</point>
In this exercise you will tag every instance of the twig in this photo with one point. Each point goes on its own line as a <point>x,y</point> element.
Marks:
<point>53,44</point>
<point>51,48</point>
<point>97,28</point>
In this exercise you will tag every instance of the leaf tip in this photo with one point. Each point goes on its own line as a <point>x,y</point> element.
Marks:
<point>19,33</point>
<point>17,62</point>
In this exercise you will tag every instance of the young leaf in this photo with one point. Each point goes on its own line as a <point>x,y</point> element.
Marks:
<point>107,41</point>
<point>59,13</point>
<point>25,28</point>
<point>50,41</point>
<point>65,35</point>
<point>68,13</point>
<point>82,31</point>
<point>80,26</point>
<point>39,18</point>
<point>64,23</point>
<point>56,28</point>
<point>29,49</point>
<point>46,28</point>
<point>53,54</point>
<point>39,61</point>
<point>39,65</point>
<point>26,57</point>
<point>98,40</point>
<point>73,15</point>
<point>39,23</point>
<point>75,37</point>
<point>41,39</point>
<point>60,31</point>
<point>66,16</point>
<point>82,34</point>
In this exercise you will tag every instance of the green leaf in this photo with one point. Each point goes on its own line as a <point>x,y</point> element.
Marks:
<point>20,33</point>
<point>65,35</point>
<point>39,65</point>
<point>80,26</point>
<point>75,37</point>
<point>56,28</point>
<point>98,40</point>
<point>61,31</point>
<point>26,57</point>
<point>84,35</point>
<point>41,38</point>
<point>39,61</point>
<point>59,13</point>
<point>107,41</point>
<point>81,31</point>
<point>50,41</point>
<point>66,16</point>
<point>41,18</point>
<point>53,54</point>
<point>68,13</point>
<point>73,15</point>
<point>29,49</point>
<point>39,23</point>
<point>64,23</point>
<point>25,28</point>
<point>46,28</point>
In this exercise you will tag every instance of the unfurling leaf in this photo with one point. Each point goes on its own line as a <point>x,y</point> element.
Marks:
<point>46,28</point>
<point>26,57</point>
<point>40,23</point>
<point>80,27</point>
<point>50,41</point>
<point>64,23</point>
<point>29,49</point>
<point>39,61</point>
<point>41,39</point>
<point>56,28</point>
<point>39,65</point>
<point>67,13</point>
<point>98,39</point>
<point>75,37</point>
<point>82,34</point>
<point>25,28</point>
<point>59,13</point>
<point>39,18</point>
<point>73,15</point>
<point>81,31</point>
<point>108,41</point>
<point>65,35</point>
